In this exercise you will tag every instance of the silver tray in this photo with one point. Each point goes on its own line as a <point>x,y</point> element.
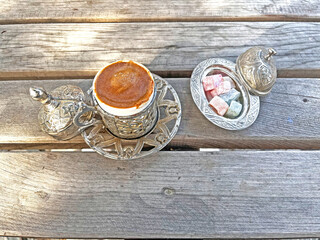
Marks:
<point>251,103</point>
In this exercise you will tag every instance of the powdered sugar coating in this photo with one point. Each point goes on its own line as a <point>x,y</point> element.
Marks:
<point>219,105</point>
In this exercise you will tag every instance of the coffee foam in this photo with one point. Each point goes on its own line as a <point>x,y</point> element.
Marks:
<point>122,111</point>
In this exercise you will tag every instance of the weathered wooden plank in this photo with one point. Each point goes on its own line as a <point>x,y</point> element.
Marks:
<point>225,194</point>
<point>288,118</point>
<point>33,50</point>
<point>23,238</point>
<point>23,11</point>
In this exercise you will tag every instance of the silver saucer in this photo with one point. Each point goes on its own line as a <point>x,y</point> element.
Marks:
<point>169,107</point>
<point>251,103</point>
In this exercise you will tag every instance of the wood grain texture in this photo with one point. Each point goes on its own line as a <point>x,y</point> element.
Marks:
<point>243,194</point>
<point>287,119</point>
<point>35,11</point>
<point>33,50</point>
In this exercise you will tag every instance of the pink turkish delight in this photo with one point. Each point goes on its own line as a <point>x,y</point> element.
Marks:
<point>224,87</point>
<point>208,95</point>
<point>219,105</point>
<point>212,82</point>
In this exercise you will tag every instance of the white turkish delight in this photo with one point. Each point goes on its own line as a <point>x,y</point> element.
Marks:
<point>228,79</point>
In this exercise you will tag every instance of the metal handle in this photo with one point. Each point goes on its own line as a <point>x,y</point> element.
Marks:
<point>84,109</point>
<point>271,52</point>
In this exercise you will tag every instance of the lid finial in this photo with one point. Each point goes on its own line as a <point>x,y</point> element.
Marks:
<point>271,52</point>
<point>39,94</point>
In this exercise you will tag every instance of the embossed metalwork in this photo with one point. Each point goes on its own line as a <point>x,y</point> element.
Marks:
<point>169,109</point>
<point>128,127</point>
<point>257,69</point>
<point>58,110</point>
<point>133,126</point>
<point>251,104</point>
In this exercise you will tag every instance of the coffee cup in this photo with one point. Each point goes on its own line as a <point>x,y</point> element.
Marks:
<point>124,95</point>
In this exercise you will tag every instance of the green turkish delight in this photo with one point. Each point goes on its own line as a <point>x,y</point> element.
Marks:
<point>234,110</point>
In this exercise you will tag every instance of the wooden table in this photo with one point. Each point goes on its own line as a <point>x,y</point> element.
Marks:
<point>261,182</point>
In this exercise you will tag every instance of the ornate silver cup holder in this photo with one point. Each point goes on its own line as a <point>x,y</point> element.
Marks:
<point>169,116</point>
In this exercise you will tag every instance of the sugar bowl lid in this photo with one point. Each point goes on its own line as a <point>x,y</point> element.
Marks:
<point>257,69</point>
<point>58,110</point>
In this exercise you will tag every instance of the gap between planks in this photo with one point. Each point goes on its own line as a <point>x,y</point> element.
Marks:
<point>34,11</point>
<point>89,74</point>
<point>183,143</point>
<point>159,19</point>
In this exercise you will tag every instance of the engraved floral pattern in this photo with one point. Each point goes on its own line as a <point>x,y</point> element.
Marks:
<point>56,117</point>
<point>259,73</point>
<point>132,127</point>
<point>161,138</point>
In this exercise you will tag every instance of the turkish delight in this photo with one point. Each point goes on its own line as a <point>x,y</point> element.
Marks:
<point>232,95</point>
<point>234,110</point>
<point>219,105</point>
<point>224,87</point>
<point>208,95</point>
<point>222,95</point>
<point>228,79</point>
<point>212,82</point>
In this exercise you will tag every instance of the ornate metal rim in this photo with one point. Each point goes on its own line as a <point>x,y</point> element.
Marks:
<point>100,140</point>
<point>251,103</point>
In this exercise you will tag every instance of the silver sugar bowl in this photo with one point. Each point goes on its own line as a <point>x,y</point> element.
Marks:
<point>58,110</point>
<point>254,75</point>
